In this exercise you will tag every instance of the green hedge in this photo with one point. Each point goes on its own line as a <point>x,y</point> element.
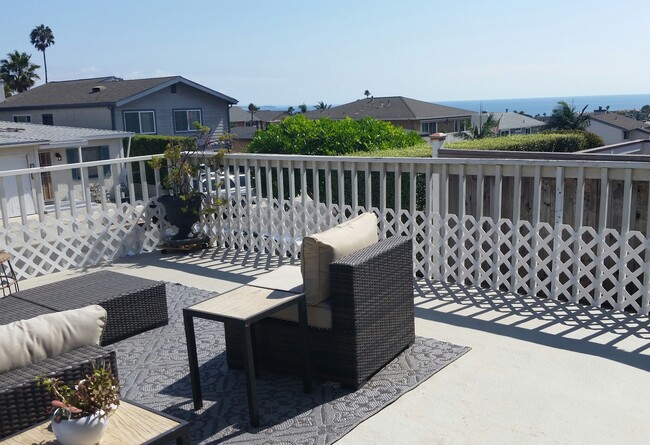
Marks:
<point>142,145</point>
<point>552,142</point>
<point>299,135</point>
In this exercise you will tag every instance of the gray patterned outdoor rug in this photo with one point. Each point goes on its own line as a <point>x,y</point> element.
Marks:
<point>153,370</point>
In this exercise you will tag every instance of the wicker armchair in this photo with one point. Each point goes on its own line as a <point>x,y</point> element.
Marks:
<point>23,403</point>
<point>372,320</point>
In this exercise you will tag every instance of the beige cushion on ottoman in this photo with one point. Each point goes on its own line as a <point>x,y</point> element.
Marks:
<point>29,341</point>
<point>319,250</point>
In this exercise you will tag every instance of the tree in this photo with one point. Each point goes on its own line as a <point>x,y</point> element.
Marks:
<point>252,109</point>
<point>367,94</point>
<point>42,38</point>
<point>302,107</point>
<point>290,111</point>
<point>645,109</point>
<point>487,130</point>
<point>322,106</point>
<point>565,117</point>
<point>18,72</point>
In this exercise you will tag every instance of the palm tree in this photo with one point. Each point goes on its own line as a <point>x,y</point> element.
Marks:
<point>252,109</point>
<point>42,38</point>
<point>367,94</point>
<point>322,106</point>
<point>565,117</point>
<point>18,72</point>
<point>487,130</point>
<point>302,107</point>
<point>290,111</point>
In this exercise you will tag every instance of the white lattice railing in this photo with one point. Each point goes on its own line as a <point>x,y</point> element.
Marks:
<point>571,230</point>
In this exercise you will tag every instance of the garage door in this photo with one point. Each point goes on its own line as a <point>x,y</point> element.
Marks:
<point>11,185</point>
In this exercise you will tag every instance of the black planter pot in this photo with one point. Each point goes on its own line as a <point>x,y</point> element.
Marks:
<point>182,213</point>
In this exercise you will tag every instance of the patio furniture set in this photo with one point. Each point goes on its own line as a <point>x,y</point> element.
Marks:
<point>341,316</point>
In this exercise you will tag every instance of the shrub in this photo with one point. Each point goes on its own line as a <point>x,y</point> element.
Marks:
<point>142,145</point>
<point>593,140</point>
<point>299,135</point>
<point>549,142</point>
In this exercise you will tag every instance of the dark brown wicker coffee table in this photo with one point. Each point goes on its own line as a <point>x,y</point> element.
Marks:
<point>133,304</point>
<point>242,307</point>
<point>130,424</point>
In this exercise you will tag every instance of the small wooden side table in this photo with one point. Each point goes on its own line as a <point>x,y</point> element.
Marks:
<point>130,424</point>
<point>244,306</point>
<point>7,275</point>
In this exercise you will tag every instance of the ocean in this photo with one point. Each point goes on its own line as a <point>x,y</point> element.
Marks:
<point>541,105</point>
<point>536,105</point>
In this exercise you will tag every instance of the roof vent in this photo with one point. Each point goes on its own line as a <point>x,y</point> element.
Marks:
<point>98,88</point>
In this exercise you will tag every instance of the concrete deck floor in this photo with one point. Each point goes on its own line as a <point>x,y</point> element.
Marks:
<point>539,371</point>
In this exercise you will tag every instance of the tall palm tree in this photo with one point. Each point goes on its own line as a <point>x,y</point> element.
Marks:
<point>42,38</point>
<point>290,110</point>
<point>565,117</point>
<point>302,107</point>
<point>252,109</point>
<point>18,72</point>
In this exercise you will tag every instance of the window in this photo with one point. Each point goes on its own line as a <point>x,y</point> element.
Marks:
<point>48,119</point>
<point>626,135</point>
<point>143,122</point>
<point>184,120</point>
<point>428,127</point>
<point>89,154</point>
<point>22,118</point>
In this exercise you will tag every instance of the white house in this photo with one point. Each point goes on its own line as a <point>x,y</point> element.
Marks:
<point>24,145</point>
<point>510,123</point>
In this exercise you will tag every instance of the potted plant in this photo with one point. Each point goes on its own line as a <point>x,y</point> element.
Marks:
<point>184,180</point>
<point>80,414</point>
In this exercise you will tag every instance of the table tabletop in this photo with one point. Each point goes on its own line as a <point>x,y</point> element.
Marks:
<point>245,303</point>
<point>129,424</point>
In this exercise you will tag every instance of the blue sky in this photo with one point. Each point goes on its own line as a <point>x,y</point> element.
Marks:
<point>290,52</point>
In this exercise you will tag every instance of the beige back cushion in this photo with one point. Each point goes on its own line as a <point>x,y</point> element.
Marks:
<point>29,341</point>
<point>319,250</point>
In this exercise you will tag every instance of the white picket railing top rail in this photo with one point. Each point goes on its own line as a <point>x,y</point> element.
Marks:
<point>54,168</point>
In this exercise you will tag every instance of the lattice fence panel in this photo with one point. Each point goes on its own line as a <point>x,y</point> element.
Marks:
<point>85,240</point>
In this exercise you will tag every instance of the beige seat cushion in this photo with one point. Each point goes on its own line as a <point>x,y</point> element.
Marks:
<point>318,316</point>
<point>29,341</point>
<point>319,250</point>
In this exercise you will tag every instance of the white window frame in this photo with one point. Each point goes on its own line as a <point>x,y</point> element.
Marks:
<point>189,123</point>
<point>428,125</point>
<point>140,113</point>
<point>27,116</point>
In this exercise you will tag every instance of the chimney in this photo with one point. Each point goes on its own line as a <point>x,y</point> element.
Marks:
<point>437,142</point>
<point>2,91</point>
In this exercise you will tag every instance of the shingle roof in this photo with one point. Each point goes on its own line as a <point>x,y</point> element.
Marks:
<point>18,133</point>
<point>239,114</point>
<point>620,121</point>
<point>96,91</point>
<point>390,108</point>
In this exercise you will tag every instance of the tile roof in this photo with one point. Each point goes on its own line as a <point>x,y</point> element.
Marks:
<point>18,133</point>
<point>96,91</point>
<point>617,120</point>
<point>390,108</point>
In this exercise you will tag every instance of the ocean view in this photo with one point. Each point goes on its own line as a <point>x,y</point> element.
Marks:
<point>541,105</point>
<point>534,105</point>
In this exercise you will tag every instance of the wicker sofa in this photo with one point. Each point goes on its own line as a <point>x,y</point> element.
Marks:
<point>372,313</point>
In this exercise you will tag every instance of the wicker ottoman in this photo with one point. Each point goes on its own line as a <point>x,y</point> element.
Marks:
<point>133,304</point>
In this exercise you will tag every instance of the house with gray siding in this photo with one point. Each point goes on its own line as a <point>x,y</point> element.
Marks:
<point>615,128</point>
<point>161,105</point>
